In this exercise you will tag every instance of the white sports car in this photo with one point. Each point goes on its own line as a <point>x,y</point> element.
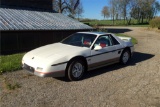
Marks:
<point>80,52</point>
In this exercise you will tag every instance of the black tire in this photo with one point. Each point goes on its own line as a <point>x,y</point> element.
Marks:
<point>73,73</point>
<point>126,53</point>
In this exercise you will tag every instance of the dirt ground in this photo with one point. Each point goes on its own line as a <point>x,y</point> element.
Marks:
<point>134,85</point>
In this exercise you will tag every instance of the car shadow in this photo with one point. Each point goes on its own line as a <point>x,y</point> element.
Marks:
<point>118,30</point>
<point>136,58</point>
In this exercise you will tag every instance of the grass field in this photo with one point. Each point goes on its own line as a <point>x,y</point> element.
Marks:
<point>10,62</point>
<point>134,23</point>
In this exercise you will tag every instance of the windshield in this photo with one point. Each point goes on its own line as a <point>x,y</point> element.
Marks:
<point>80,39</point>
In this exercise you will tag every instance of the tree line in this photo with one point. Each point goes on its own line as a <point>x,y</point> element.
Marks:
<point>131,9</point>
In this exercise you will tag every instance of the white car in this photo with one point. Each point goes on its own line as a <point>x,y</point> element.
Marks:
<point>78,53</point>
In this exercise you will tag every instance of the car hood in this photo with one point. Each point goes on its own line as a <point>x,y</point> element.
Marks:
<point>54,51</point>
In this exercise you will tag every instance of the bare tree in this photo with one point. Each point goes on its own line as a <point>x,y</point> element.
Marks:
<point>114,10</point>
<point>79,10</point>
<point>123,6</point>
<point>156,8</point>
<point>60,5</point>
<point>144,9</point>
<point>75,10</point>
<point>105,12</point>
<point>72,8</point>
<point>137,9</point>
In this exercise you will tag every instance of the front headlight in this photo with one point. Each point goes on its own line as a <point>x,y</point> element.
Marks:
<point>39,69</point>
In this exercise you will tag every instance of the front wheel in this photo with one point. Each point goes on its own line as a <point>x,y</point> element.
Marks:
<point>76,70</point>
<point>125,57</point>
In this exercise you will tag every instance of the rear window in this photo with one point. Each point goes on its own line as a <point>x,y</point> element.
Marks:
<point>115,42</point>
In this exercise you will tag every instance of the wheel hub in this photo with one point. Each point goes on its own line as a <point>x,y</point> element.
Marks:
<point>125,57</point>
<point>77,70</point>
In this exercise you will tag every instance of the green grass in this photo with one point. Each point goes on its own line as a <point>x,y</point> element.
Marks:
<point>134,23</point>
<point>10,62</point>
<point>10,86</point>
<point>155,23</point>
<point>134,41</point>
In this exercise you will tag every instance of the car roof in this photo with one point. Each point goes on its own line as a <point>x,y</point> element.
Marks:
<point>95,33</point>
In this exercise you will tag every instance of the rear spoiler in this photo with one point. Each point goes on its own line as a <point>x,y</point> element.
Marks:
<point>127,39</point>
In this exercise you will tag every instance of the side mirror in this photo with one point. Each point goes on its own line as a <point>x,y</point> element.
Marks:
<point>97,47</point>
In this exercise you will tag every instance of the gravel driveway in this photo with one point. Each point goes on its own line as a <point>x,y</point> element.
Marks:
<point>134,85</point>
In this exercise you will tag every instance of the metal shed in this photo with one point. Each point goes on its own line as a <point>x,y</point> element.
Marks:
<point>25,29</point>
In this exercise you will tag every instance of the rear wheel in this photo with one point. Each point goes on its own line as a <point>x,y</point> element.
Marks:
<point>76,70</point>
<point>125,57</point>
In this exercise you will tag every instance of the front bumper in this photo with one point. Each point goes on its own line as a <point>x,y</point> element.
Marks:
<point>60,73</point>
<point>51,74</point>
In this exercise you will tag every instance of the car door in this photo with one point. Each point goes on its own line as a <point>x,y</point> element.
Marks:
<point>104,55</point>
<point>118,47</point>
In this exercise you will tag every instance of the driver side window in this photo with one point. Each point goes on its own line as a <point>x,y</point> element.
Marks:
<point>103,41</point>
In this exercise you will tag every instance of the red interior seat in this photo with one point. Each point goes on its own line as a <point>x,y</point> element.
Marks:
<point>103,45</point>
<point>87,42</point>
